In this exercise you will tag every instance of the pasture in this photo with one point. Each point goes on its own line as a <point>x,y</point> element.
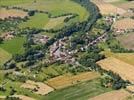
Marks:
<point>5,13</point>
<point>114,95</point>
<point>127,40</point>
<point>55,22</point>
<point>20,91</point>
<point>125,70</point>
<point>107,8</point>
<point>14,46</point>
<point>55,7</point>
<point>82,91</point>
<point>4,56</point>
<point>37,21</point>
<point>41,88</point>
<point>68,80</point>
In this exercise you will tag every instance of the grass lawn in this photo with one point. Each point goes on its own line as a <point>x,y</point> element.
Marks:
<point>14,46</point>
<point>4,56</point>
<point>37,21</point>
<point>82,91</point>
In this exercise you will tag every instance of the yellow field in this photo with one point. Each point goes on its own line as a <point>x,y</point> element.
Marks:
<point>53,22</point>
<point>4,56</point>
<point>126,57</point>
<point>107,8</point>
<point>68,80</point>
<point>4,13</point>
<point>114,95</point>
<point>125,70</point>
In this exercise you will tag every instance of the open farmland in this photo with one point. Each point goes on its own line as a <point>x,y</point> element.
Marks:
<point>37,21</point>
<point>125,70</point>
<point>5,13</point>
<point>124,4</point>
<point>68,80</point>
<point>126,57</point>
<point>127,40</point>
<point>114,95</point>
<point>4,56</point>
<point>126,23</point>
<point>55,7</point>
<point>55,22</point>
<point>107,8</point>
<point>42,88</point>
<point>82,91</point>
<point>14,45</point>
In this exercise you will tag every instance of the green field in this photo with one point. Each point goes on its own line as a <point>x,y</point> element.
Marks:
<point>16,86</point>
<point>14,46</point>
<point>4,56</point>
<point>82,91</point>
<point>37,21</point>
<point>55,7</point>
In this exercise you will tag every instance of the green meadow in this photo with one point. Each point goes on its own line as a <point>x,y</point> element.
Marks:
<point>14,46</point>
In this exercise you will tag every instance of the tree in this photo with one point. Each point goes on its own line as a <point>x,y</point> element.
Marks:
<point>31,13</point>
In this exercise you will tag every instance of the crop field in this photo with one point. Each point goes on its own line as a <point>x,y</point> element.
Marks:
<point>4,13</point>
<point>4,56</point>
<point>107,8</point>
<point>126,5</point>
<point>82,91</point>
<point>125,70</point>
<point>126,57</point>
<point>126,23</point>
<point>13,46</point>
<point>127,40</point>
<point>114,95</point>
<point>68,80</point>
<point>37,21</point>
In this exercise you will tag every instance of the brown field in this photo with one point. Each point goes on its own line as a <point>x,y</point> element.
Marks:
<point>107,8</point>
<point>4,13</point>
<point>22,97</point>
<point>126,23</point>
<point>41,88</point>
<point>126,5</point>
<point>127,40</point>
<point>114,95</point>
<point>126,57</point>
<point>68,80</point>
<point>125,70</point>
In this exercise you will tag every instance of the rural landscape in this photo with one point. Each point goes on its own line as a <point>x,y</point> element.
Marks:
<point>66,49</point>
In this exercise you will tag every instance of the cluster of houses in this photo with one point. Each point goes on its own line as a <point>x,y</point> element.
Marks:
<point>7,36</point>
<point>58,51</point>
<point>40,39</point>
